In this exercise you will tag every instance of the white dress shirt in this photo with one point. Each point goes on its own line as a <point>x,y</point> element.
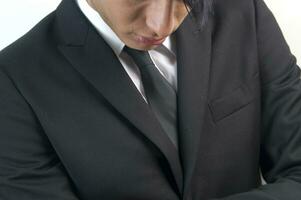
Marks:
<point>164,56</point>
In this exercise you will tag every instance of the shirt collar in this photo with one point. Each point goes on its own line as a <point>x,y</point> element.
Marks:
<point>107,33</point>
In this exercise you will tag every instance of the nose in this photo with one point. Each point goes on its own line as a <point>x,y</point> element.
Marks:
<point>160,19</point>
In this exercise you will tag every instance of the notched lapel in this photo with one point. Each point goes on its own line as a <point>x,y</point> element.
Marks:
<point>193,56</point>
<point>92,57</point>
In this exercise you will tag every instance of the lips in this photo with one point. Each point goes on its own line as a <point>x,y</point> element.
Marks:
<point>151,41</point>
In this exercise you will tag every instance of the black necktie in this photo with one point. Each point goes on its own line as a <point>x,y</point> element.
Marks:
<point>161,96</point>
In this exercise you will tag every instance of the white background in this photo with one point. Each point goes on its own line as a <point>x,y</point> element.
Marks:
<point>18,16</point>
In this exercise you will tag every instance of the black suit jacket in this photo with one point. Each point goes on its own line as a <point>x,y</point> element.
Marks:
<point>74,127</point>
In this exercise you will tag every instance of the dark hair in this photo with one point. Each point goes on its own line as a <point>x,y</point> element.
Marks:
<point>200,11</point>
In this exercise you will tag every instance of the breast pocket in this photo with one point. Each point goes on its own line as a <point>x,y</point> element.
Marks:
<point>234,100</point>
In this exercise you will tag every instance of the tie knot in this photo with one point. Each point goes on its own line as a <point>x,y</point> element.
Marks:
<point>142,58</point>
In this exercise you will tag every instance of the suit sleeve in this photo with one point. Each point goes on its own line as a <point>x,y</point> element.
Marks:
<point>29,167</point>
<point>280,158</point>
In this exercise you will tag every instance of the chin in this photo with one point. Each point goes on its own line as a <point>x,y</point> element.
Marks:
<point>141,46</point>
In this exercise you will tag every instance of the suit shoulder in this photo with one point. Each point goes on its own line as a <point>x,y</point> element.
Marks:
<point>236,16</point>
<point>231,5</point>
<point>233,8</point>
<point>31,45</point>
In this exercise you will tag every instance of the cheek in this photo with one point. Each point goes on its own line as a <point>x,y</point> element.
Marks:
<point>118,22</point>
<point>130,23</point>
<point>181,12</point>
<point>127,17</point>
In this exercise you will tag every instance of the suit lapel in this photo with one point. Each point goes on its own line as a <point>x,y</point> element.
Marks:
<point>89,54</point>
<point>193,55</point>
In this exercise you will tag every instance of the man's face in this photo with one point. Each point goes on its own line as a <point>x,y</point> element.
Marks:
<point>141,24</point>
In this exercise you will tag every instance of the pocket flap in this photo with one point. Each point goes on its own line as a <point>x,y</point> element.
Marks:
<point>230,103</point>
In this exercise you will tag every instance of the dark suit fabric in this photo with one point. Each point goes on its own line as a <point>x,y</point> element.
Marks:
<point>73,126</point>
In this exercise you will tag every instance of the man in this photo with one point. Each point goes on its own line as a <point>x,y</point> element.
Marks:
<point>151,99</point>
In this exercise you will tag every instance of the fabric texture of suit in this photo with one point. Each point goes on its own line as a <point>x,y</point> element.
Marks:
<point>74,127</point>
